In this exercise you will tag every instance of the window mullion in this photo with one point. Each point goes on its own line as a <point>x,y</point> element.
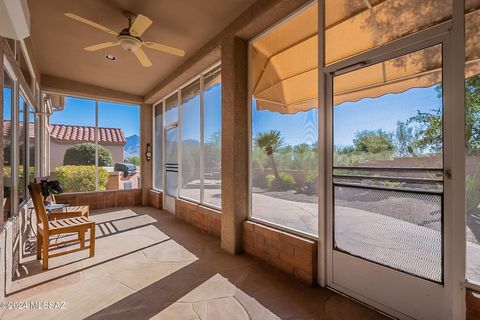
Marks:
<point>96,145</point>
<point>202,140</point>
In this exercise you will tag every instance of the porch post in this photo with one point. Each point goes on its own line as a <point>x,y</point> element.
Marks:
<point>234,142</point>
<point>145,137</point>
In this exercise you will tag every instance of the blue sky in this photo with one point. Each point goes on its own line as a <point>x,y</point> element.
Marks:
<point>115,115</point>
<point>7,100</point>
<point>349,117</point>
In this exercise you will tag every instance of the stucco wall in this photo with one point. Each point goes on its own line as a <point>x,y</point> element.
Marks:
<point>57,152</point>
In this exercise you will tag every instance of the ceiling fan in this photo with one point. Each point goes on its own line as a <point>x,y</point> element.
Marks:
<point>129,38</point>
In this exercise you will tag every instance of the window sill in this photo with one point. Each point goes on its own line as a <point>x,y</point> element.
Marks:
<point>210,206</point>
<point>283,229</point>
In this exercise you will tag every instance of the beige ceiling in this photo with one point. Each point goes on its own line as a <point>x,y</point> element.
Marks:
<point>58,41</point>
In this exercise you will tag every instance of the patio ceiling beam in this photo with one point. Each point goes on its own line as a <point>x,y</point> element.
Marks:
<point>68,87</point>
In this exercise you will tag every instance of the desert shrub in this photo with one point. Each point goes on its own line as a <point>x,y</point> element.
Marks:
<point>83,154</point>
<point>269,180</point>
<point>285,182</point>
<point>81,178</point>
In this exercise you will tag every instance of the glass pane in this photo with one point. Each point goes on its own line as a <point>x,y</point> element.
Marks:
<point>171,178</point>
<point>31,144</point>
<point>22,108</point>
<point>171,163</point>
<point>190,133</point>
<point>472,138</point>
<point>158,147</point>
<point>8,90</point>
<point>353,26</point>
<point>171,139</point>
<point>72,145</point>
<point>118,146</point>
<point>284,83</point>
<point>388,163</point>
<point>171,109</point>
<point>213,138</point>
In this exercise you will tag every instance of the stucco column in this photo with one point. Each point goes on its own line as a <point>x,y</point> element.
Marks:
<point>145,138</point>
<point>234,143</point>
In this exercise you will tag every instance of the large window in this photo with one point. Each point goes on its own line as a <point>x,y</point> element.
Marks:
<point>284,134</point>
<point>212,128</point>
<point>199,127</point>
<point>190,134</point>
<point>94,145</point>
<point>119,133</point>
<point>31,131</point>
<point>8,99</point>
<point>158,146</point>
<point>22,149</point>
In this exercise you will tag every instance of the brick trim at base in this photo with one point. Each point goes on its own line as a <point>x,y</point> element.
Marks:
<point>204,218</point>
<point>155,199</point>
<point>103,199</point>
<point>289,253</point>
<point>472,300</point>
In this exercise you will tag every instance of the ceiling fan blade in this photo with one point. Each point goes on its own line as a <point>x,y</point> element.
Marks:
<point>164,48</point>
<point>91,23</point>
<point>139,26</point>
<point>142,57</point>
<point>104,45</point>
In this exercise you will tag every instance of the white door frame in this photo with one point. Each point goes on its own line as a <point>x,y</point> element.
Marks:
<point>450,293</point>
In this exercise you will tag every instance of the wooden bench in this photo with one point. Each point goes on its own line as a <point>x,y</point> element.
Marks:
<point>46,228</point>
<point>70,212</point>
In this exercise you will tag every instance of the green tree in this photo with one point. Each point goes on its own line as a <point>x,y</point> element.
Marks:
<point>213,152</point>
<point>404,137</point>
<point>373,141</point>
<point>429,130</point>
<point>83,154</point>
<point>135,160</point>
<point>429,135</point>
<point>270,142</point>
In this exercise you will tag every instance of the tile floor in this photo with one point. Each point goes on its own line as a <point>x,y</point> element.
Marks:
<point>149,265</point>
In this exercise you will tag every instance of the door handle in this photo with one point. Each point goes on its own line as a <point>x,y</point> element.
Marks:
<point>447,173</point>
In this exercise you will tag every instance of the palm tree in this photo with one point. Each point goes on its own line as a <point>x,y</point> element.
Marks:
<point>270,142</point>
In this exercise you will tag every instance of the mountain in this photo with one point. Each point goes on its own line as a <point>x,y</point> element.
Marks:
<point>132,147</point>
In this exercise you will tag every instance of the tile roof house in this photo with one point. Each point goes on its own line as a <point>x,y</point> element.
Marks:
<point>7,129</point>
<point>81,134</point>
<point>63,137</point>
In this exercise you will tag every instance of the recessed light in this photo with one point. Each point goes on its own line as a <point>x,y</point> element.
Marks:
<point>110,57</point>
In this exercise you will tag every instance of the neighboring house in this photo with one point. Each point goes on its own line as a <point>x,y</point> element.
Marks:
<point>63,137</point>
<point>7,129</point>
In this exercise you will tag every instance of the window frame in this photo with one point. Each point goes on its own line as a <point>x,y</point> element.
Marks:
<point>178,123</point>
<point>160,104</point>
<point>15,96</point>
<point>27,106</point>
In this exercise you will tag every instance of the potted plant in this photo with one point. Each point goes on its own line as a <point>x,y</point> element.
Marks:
<point>50,187</point>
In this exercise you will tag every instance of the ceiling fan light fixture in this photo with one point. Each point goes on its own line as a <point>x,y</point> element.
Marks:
<point>129,38</point>
<point>129,43</point>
